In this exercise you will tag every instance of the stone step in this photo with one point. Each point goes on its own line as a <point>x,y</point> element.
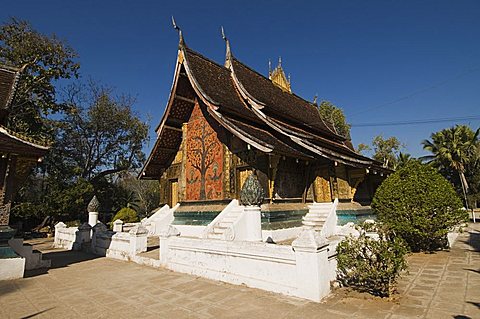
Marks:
<point>225,224</point>
<point>219,230</point>
<point>312,223</point>
<point>215,236</point>
<point>314,219</point>
<point>315,205</point>
<point>319,211</point>
<point>229,219</point>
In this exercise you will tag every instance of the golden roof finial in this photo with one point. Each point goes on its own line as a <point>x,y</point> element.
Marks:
<point>278,76</point>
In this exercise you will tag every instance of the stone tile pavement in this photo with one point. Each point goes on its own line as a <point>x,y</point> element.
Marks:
<point>440,285</point>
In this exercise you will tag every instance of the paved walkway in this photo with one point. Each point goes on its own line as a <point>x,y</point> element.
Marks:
<point>440,285</point>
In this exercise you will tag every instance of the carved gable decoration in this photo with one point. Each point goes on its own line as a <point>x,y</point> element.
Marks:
<point>204,167</point>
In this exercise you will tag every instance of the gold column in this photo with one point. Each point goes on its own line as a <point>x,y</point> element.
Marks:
<point>273,161</point>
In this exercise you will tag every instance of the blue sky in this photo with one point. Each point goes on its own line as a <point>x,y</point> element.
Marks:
<point>380,61</point>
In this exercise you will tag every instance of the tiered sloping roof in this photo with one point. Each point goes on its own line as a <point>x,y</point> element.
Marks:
<point>12,142</point>
<point>251,107</point>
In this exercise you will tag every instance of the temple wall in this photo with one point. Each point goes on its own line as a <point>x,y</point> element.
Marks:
<point>213,165</point>
<point>204,164</point>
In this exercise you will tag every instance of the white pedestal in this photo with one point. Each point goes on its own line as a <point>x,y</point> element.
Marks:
<point>92,218</point>
<point>253,222</point>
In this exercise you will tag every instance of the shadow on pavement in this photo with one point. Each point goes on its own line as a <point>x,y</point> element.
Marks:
<point>60,259</point>
<point>37,313</point>
<point>474,240</point>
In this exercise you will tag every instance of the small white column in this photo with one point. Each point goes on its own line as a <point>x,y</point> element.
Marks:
<point>253,223</point>
<point>138,239</point>
<point>57,239</point>
<point>92,218</point>
<point>118,225</point>
<point>164,236</point>
<point>313,275</point>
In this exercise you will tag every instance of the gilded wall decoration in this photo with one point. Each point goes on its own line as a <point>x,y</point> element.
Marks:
<point>204,166</point>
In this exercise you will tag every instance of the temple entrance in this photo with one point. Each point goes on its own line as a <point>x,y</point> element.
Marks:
<point>173,192</point>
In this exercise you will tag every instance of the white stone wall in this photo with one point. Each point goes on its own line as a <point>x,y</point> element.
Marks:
<point>64,236</point>
<point>301,272</point>
<point>71,238</point>
<point>119,245</point>
<point>11,268</point>
<point>279,235</point>
<point>258,265</point>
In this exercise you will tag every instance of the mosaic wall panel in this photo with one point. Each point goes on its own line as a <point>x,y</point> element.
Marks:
<point>204,167</point>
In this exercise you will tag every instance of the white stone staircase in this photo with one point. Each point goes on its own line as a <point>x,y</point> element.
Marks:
<point>33,258</point>
<point>222,226</point>
<point>322,217</point>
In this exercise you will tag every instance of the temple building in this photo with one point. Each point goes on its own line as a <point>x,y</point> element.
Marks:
<point>18,154</point>
<point>224,122</point>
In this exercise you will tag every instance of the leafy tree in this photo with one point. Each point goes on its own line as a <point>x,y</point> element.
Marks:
<point>100,135</point>
<point>99,138</point>
<point>472,174</point>
<point>386,150</point>
<point>361,148</point>
<point>419,205</point>
<point>141,195</point>
<point>371,265</point>
<point>334,115</point>
<point>454,148</point>
<point>44,60</point>
<point>126,215</point>
<point>403,159</point>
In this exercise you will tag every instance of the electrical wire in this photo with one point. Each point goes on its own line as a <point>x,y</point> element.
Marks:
<point>415,122</point>
<point>425,89</point>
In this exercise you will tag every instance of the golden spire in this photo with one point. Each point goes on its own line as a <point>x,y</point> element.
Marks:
<point>278,77</point>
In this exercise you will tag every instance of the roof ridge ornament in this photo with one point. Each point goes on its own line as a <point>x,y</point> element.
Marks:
<point>228,52</point>
<point>181,42</point>
<point>278,77</point>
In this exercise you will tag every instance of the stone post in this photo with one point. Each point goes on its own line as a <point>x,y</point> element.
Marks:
<point>98,228</point>
<point>92,209</point>
<point>58,227</point>
<point>313,273</point>
<point>164,236</point>
<point>253,223</point>
<point>118,225</point>
<point>82,235</point>
<point>138,239</point>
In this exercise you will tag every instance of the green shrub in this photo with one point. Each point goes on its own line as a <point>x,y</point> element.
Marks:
<point>371,265</point>
<point>127,215</point>
<point>419,205</point>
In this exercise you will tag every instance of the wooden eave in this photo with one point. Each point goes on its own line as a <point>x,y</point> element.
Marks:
<point>15,144</point>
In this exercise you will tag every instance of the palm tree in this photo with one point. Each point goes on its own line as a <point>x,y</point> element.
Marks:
<point>454,148</point>
<point>403,159</point>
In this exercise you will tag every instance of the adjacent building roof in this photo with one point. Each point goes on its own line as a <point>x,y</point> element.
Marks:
<point>8,81</point>
<point>11,142</point>
<point>251,107</point>
<point>14,143</point>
